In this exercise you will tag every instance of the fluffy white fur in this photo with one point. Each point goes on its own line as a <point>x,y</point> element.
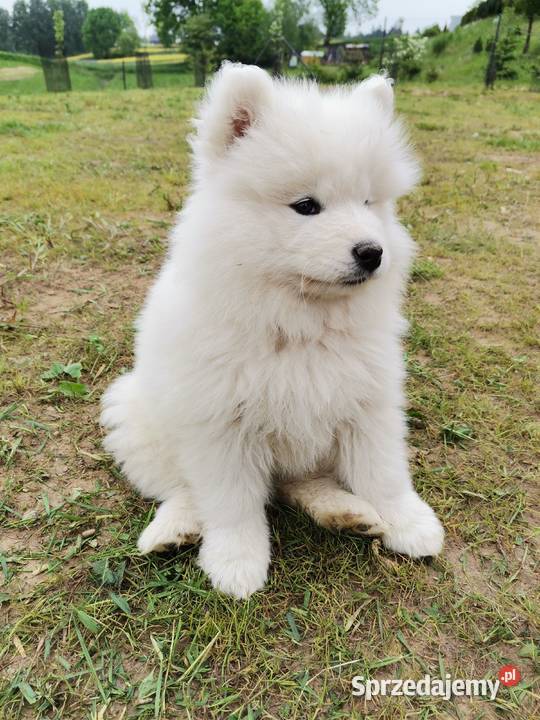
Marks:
<point>255,364</point>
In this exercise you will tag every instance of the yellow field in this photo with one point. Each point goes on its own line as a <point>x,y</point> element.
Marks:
<point>159,55</point>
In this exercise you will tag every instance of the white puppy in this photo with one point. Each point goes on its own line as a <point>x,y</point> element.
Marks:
<point>268,351</point>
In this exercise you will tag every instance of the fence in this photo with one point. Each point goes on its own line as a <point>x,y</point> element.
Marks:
<point>142,71</point>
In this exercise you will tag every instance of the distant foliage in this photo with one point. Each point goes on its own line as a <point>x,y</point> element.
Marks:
<point>128,41</point>
<point>30,28</point>
<point>531,10</point>
<point>432,74</point>
<point>432,31</point>
<point>478,45</point>
<point>242,29</point>
<point>101,30</point>
<point>406,55</point>
<point>488,8</point>
<point>200,40</point>
<point>506,53</point>
<point>335,14</point>
<point>59,32</point>
<point>6,42</point>
<point>440,43</point>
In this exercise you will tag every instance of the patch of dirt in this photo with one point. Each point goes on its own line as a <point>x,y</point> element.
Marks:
<point>467,568</point>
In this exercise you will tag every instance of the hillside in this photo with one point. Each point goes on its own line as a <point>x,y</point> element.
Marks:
<point>458,63</point>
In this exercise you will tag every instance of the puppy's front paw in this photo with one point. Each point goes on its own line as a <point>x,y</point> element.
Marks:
<point>236,565</point>
<point>414,529</point>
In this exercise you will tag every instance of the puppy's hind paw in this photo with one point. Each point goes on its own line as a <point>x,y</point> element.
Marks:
<point>160,535</point>
<point>353,515</point>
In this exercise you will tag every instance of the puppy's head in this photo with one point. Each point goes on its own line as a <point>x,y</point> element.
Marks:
<point>300,183</point>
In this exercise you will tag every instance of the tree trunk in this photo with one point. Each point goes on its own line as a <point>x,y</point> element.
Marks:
<point>528,38</point>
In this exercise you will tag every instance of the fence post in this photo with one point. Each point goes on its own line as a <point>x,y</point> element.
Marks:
<point>124,74</point>
<point>144,70</point>
<point>56,72</point>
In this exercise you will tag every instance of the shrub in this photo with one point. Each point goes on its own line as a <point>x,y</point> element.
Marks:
<point>405,57</point>
<point>432,31</point>
<point>351,73</point>
<point>440,43</point>
<point>432,74</point>
<point>478,46</point>
<point>324,74</point>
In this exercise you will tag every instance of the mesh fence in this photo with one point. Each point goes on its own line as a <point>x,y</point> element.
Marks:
<point>63,75</point>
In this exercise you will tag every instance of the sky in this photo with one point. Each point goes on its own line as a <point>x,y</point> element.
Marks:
<point>417,13</point>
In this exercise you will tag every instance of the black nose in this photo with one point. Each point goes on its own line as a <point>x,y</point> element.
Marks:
<point>367,257</point>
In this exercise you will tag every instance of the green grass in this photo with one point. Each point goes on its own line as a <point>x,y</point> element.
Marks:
<point>89,629</point>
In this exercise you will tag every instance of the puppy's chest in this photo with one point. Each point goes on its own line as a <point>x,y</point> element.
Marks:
<point>304,390</point>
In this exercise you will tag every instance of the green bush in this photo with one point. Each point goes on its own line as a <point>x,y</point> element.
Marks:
<point>351,73</point>
<point>324,74</point>
<point>432,74</point>
<point>478,46</point>
<point>440,43</point>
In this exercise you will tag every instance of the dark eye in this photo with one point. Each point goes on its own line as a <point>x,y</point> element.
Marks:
<point>306,206</point>
<point>367,202</point>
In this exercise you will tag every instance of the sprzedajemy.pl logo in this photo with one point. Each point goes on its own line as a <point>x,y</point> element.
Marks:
<point>446,688</point>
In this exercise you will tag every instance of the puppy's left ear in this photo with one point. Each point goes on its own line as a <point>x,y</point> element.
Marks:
<point>381,88</point>
<point>234,102</point>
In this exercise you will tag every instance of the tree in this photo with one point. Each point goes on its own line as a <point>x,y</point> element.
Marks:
<point>335,13</point>
<point>5,30</point>
<point>101,29</point>
<point>240,26</point>
<point>40,28</point>
<point>243,29</point>
<point>20,27</point>
<point>128,40</point>
<point>75,12</point>
<point>485,9</point>
<point>200,39</point>
<point>531,9</point>
<point>59,32</point>
<point>170,15</point>
<point>297,28</point>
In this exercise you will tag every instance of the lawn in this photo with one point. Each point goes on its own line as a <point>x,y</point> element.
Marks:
<point>89,184</point>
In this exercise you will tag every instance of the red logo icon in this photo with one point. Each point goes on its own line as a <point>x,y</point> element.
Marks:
<point>509,675</point>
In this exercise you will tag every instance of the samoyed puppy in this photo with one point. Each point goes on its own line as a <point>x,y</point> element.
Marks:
<point>268,354</point>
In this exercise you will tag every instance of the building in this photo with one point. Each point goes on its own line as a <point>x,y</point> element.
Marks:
<point>339,51</point>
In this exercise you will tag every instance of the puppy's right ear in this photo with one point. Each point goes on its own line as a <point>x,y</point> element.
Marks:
<point>234,101</point>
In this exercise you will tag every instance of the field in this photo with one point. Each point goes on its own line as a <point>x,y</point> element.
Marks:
<point>89,184</point>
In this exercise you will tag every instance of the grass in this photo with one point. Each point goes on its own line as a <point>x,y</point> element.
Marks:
<point>88,188</point>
